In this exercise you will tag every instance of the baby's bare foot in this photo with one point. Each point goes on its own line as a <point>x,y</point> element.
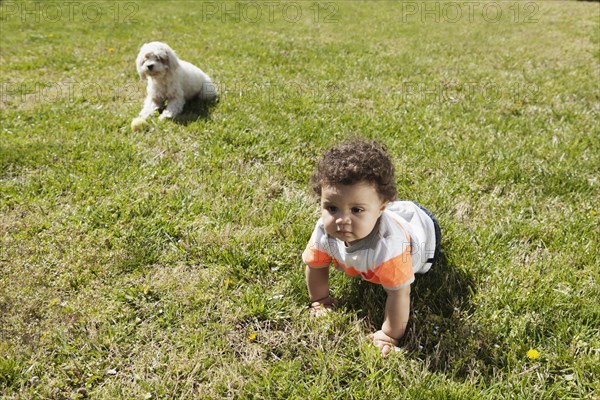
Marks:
<point>384,343</point>
<point>321,307</point>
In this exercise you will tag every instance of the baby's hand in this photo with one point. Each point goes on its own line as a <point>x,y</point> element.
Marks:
<point>384,343</point>
<point>322,307</point>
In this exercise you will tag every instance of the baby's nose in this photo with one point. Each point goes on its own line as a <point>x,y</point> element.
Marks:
<point>342,220</point>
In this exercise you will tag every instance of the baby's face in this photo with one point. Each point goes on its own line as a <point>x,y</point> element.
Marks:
<point>350,212</point>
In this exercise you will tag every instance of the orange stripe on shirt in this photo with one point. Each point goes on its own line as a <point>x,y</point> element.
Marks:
<point>315,258</point>
<point>391,274</point>
<point>397,271</point>
<point>348,270</point>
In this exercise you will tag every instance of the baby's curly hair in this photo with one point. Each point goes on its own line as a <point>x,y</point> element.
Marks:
<point>354,162</point>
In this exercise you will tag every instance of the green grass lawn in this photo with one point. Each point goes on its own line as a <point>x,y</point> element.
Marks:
<point>166,264</point>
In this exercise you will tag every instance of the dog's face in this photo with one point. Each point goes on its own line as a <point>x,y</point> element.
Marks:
<point>155,59</point>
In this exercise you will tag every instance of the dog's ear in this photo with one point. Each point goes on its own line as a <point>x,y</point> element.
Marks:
<point>142,74</point>
<point>139,63</point>
<point>141,71</point>
<point>171,58</point>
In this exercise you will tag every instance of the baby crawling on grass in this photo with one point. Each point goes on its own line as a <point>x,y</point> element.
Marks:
<point>364,232</point>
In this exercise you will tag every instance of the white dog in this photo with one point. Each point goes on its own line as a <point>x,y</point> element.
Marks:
<point>170,80</point>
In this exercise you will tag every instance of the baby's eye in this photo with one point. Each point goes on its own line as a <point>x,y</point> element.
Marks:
<point>357,210</point>
<point>331,209</point>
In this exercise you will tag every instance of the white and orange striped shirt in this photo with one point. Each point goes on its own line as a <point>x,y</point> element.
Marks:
<point>401,244</point>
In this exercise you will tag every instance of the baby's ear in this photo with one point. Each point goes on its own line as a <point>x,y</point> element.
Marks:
<point>383,206</point>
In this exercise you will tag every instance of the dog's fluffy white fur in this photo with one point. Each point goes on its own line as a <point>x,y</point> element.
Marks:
<point>170,80</point>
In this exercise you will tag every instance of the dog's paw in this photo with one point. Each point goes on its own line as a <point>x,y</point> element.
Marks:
<point>165,115</point>
<point>147,113</point>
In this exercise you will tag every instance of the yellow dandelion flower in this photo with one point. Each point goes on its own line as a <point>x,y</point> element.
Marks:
<point>252,337</point>
<point>111,50</point>
<point>533,354</point>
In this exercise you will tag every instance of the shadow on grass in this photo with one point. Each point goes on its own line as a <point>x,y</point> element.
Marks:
<point>195,110</point>
<point>439,331</point>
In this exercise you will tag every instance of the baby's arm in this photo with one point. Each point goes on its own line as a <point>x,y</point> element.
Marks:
<point>317,282</point>
<point>397,309</point>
